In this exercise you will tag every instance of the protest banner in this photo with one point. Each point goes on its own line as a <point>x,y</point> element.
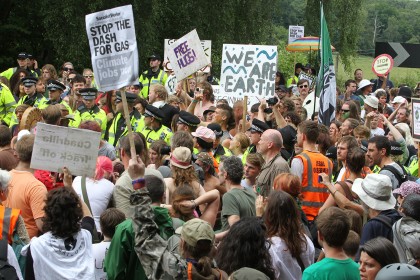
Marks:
<point>310,78</point>
<point>415,108</point>
<point>248,70</point>
<point>382,64</point>
<point>295,32</point>
<point>206,44</point>
<point>58,146</point>
<point>186,55</point>
<point>113,47</point>
<point>229,98</point>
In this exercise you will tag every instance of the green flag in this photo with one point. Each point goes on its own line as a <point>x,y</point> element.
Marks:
<point>326,83</point>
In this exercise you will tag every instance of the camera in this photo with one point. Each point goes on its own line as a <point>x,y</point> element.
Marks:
<point>268,110</point>
<point>272,101</point>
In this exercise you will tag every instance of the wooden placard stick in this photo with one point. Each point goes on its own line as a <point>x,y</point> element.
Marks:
<point>245,111</point>
<point>128,124</point>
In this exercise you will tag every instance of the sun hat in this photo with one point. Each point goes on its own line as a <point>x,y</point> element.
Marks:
<point>364,83</point>
<point>246,273</point>
<point>372,101</point>
<point>181,157</point>
<point>195,230</point>
<point>406,188</point>
<point>204,133</point>
<point>375,190</point>
<point>399,99</point>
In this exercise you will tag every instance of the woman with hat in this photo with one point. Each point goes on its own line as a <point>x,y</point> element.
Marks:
<point>406,188</point>
<point>183,173</point>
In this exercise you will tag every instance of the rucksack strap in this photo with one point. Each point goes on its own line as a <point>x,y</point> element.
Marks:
<point>346,190</point>
<point>384,219</point>
<point>397,174</point>
<point>3,250</point>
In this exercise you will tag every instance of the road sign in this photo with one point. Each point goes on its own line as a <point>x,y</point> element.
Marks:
<point>382,64</point>
<point>404,55</point>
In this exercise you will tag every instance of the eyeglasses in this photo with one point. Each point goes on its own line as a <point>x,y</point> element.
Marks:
<point>303,86</point>
<point>67,69</point>
<point>88,76</point>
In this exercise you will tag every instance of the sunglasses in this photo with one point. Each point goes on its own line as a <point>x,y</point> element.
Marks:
<point>67,69</point>
<point>88,76</point>
<point>303,86</point>
<point>345,111</point>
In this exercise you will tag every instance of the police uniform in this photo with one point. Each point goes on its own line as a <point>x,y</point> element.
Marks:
<point>56,85</point>
<point>9,72</point>
<point>7,104</point>
<point>188,119</point>
<point>37,100</point>
<point>161,133</point>
<point>257,126</point>
<point>93,114</point>
<point>118,126</point>
<point>148,78</point>
<point>219,151</point>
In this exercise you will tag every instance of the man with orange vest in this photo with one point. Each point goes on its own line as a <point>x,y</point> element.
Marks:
<point>307,166</point>
<point>8,220</point>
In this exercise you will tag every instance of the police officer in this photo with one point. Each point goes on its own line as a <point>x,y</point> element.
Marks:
<point>257,129</point>
<point>55,89</point>
<point>22,60</point>
<point>118,126</point>
<point>31,98</point>
<point>154,75</point>
<point>154,129</point>
<point>218,149</point>
<point>187,122</point>
<point>7,105</point>
<point>89,111</point>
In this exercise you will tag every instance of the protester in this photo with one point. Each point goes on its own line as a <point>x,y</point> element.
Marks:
<point>254,252</point>
<point>376,254</point>
<point>291,250</point>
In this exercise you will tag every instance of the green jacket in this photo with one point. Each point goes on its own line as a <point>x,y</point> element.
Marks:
<point>94,114</point>
<point>146,81</point>
<point>121,261</point>
<point>118,123</point>
<point>7,104</point>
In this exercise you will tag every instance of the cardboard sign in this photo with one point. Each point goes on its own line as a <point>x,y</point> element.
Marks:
<point>248,70</point>
<point>58,146</point>
<point>186,55</point>
<point>295,32</point>
<point>382,64</point>
<point>231,99</point>
<point>113,47</point>
<point>415,109</point>
<point>206,44</point>
<point>309,77</point>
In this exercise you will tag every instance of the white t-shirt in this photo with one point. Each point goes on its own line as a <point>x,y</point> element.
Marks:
<point>99,252</point>
<point>285,266</point>
<point>12,260</point>
<point>99,194</point>
<point>58,258</point>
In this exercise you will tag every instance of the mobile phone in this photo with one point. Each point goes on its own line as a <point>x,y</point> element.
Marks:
<point>319,179</point>
<point>197,89</point>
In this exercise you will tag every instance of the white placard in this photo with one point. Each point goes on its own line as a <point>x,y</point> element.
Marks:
<point>415,109</point>
<point>248,70</point>
<point>186,55</point>
<point>58,146</point>
<point>295,32</point>
<point>113,47</point>
<point>206,44</point>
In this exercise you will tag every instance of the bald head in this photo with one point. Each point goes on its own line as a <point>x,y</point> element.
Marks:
<point>274,136</point>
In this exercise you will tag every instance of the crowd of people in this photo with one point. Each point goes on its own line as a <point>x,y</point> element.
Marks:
<point>205,193</point>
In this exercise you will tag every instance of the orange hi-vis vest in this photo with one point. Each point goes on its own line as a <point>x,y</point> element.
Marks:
<point>314,193</point>
<point>8,220</point>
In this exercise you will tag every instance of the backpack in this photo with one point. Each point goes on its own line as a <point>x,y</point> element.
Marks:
<point>401,178</point>
<point>7,272</point>
<point>407,240</point>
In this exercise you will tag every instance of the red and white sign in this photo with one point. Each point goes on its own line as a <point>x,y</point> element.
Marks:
<point>382,64</point>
